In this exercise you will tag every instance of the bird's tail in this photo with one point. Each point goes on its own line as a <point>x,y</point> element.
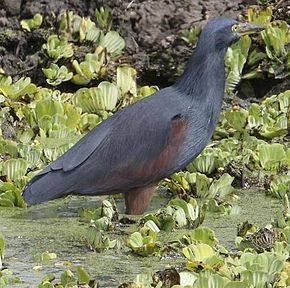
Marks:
<point>48,186</point>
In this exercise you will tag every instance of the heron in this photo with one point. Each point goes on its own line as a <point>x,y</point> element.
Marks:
<point>138,146</point>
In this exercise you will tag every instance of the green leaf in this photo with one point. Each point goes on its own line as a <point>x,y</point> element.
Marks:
<point>82,275</point>
<point>126,80</point>
<point>271,155</point>
<point>236,58</point>
<point>67,278</point>
<point>2,247</point>
<point>112,42</point>
<point>198,252</point>
<point>14,168</point>
<point>202,235</point>
<point>88,69</point>
<point>56,75</point>
<point>96,99</point>
<point>58,48</point>
<point>31,24</point>
<point>18,89</point>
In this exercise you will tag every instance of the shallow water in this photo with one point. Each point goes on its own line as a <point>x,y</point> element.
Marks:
<point>55,227</point>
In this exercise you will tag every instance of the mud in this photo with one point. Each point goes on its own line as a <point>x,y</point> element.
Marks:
<point>152,30</point>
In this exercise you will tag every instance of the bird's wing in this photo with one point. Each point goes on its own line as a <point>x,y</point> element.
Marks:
<point>78,153</point>
<point>136,145</point>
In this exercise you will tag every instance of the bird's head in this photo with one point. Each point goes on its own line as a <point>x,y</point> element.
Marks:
<point>221,32</point>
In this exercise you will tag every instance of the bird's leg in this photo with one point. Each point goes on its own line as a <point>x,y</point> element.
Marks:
<point>138,199</point>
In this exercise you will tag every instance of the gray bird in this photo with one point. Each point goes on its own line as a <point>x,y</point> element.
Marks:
<point>145,142</point>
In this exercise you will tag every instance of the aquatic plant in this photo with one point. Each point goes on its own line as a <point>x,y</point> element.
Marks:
<point>143,243</point>
<point>178,213</point>
<point>269,58</point>
<point>58,48</point>
<point>56,75</point>
<point>31,24</point>
<point>2,248</point>
<point>79,278</point>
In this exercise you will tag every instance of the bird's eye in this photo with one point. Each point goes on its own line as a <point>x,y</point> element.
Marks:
<point>235,28</point>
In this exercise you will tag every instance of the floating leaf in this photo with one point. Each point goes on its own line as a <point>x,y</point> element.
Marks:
<point>56,75</point>
<point>112,42</point>
<point>143,245</point>
<point>271,155</point>
<point>236,58</point>
<point>82,275</point>
<point>96,99</point>
<point>58,48</point>
<point>18,89</point>
<point>14,168</point>
<point>88,69</point>
<point>126,80</point>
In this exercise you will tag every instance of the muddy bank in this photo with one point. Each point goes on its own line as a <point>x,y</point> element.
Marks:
<point>152,30</point>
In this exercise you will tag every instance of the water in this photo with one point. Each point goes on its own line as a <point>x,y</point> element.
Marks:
<point>55,227</point>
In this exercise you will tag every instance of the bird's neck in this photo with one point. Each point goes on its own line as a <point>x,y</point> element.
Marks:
<point>204,75</point>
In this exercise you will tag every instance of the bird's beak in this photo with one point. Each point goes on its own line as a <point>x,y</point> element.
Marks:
<point>247,28</point>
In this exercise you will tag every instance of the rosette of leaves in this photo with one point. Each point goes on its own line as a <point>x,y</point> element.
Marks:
<point>273,115</point>
<point>181,182</point>
<point>88,30</point>
<point>49,114</point>
<point>269,118</point>
<point>191,35</point>
<point>177,214</point>
<point>44,258</point>
<point>107,210</point>
<point>209,188</point>
<point>126,80</point>
<point>56,75</point>
<point>143,243</point>
<point>79,28</point>
<point>100,221</point>
<point>57,48</point>
<point>57,124</point>
<point>7,278</point>
<point>276,38</point>
<point>88,69</point>
<point>14,168</point>
<point>258,270</point>
<point>201,255</point>
<point>10,195</point>
<point>235,120</point>
<point>145,91</point>
<point>96,99</point>
<point>31,24</point>
<point>206,162</point>
<point>14,91</point>
<point>96,238</point>
<point>89,121</point>
<point>279,186</point>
